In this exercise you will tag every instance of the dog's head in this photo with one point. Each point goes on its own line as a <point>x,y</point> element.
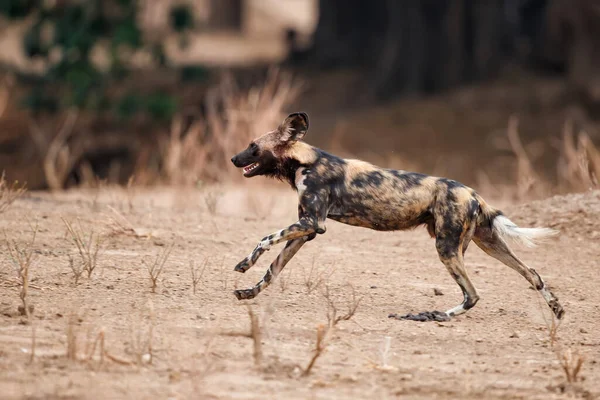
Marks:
<point>264,155</point>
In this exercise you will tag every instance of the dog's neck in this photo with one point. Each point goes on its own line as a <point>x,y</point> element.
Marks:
<point>299,155</point>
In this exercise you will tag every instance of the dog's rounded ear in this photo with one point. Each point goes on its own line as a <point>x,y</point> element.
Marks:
<point>294,127</point>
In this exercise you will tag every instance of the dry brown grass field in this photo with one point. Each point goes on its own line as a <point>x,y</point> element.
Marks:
<point>128,294</point>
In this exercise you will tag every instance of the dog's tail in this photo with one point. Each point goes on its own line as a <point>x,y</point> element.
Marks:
<point>506,229</point>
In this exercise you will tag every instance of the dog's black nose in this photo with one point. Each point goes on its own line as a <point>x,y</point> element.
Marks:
<point>233,159</point>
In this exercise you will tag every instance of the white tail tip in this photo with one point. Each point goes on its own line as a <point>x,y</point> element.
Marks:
<point>529,237</point>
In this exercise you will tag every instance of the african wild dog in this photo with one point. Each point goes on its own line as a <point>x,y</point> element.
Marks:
<point>358,193</point>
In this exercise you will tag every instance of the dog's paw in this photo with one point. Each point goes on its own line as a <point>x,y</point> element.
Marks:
<point>243,266</point>
<point>438,316</point>
<point>244,294</point>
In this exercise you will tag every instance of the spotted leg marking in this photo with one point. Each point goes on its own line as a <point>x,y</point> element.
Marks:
<point>304,227</point>
<point>276,267</point>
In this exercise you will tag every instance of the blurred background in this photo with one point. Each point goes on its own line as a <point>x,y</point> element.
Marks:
<point>503,95</point>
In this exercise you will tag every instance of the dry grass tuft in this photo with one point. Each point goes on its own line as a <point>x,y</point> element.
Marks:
<point>528,181</point>
<point>88,247</point>
<point>156,267</point>
<point>255,334</point>
<point>316,276</point>
<point>570,361</point>
<point>142,339</point>
<point>578,166</point>
<point>22,260</point>
<point>200,151</point>
<point>59,157</point>
<point>9,192</point>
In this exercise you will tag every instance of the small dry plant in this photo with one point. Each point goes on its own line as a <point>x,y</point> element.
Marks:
<point>76,350</point>
<point>528,181</point>
<point>142,338</point>
<point>197,272</point>
<point>570,361</point>
<point>94,342</point>
<point>316,276</point>
<point>211,200</point>
<point>59,157</point>
<point>324,332</point>
<point>255,333</point>
<point>89,248</point>
<point>224,272</point>
<point>578,165</point>
<point>72,342</point>
<point>333,315</point>
<point>130,192</point>
<point>22,259</point>
<point>77,269</point>
<point>9,192</point>
<point>156,267</point>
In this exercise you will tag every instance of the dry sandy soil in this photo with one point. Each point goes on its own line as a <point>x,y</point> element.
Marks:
<point>499,349</point>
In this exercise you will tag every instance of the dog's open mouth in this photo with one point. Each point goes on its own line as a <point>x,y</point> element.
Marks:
<point>250,168</point>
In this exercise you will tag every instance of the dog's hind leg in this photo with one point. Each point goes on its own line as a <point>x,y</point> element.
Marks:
<point>290,249</point>
<point>490,242</point>
<point>452,240</point>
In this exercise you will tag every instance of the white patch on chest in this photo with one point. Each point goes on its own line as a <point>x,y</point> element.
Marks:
<point>300,177</point>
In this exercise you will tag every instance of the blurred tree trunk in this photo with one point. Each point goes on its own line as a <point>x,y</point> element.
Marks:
<point>346,31</point>
<point>425,46</point>
<point>226,14</point>
<point>411,46</point>
<point>575,31</point>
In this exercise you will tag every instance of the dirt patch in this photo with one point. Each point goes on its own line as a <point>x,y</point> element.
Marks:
<point>177,344</point>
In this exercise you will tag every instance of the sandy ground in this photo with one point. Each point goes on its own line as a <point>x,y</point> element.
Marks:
<point>499,349</point>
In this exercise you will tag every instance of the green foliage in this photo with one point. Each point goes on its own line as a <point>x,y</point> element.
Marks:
<point>129,105</point>
<point>126,32</point>
<point>66,33</point>
<point>161,106</point>
<point>193,73</point>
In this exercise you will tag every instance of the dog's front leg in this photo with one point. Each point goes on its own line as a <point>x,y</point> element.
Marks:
<point>291,248</point>
<point>304,227</point>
